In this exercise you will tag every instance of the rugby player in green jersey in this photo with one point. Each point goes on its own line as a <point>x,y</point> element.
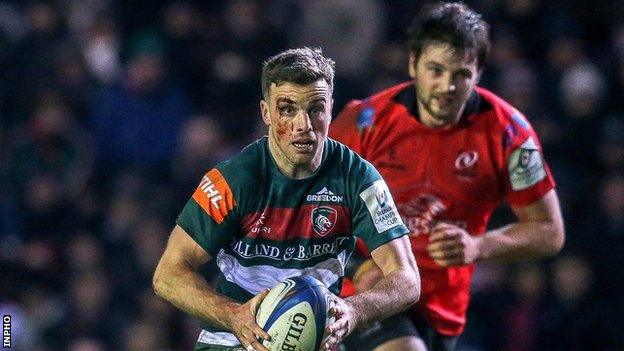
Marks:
<point>290,203</point>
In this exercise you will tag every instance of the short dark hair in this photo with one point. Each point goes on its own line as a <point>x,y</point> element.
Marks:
<point>300,66</point>
<point>453,23</point>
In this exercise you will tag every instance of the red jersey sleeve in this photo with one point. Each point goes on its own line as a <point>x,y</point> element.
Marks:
<point>345,129</point>
<point>528,177</point>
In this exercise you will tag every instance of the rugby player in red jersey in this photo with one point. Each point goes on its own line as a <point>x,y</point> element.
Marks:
<point>451,153</point>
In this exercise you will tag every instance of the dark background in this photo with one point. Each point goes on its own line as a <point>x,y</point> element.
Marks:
<point>111,111</point>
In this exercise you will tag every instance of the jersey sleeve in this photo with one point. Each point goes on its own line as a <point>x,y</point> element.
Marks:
<point>346,127</point>
<point>528,177</point>
<point>208,217</point>
<point>376,219</point>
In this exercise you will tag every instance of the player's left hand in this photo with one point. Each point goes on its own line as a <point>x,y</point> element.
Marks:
<point>342,326</point>
<point>450,245</point>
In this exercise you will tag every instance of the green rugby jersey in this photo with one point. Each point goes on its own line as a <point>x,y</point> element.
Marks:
<point>264,227</point>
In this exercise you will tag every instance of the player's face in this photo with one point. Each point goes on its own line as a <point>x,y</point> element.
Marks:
<point>444,78</point>
<point>298,118</point>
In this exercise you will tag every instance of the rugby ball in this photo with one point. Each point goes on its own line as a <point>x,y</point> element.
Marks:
<point>294,313</point>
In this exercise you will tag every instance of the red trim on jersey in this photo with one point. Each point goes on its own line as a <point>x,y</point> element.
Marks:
<point>296,223</point>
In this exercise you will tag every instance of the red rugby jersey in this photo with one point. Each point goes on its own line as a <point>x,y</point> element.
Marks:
<point>458,175</point>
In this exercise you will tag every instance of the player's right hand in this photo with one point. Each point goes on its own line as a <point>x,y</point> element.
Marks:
<point>450,245</point>
<point>243,323</point>
<point>343,324</point>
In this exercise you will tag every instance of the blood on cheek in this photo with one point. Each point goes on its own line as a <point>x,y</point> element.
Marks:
<point>283,128</point>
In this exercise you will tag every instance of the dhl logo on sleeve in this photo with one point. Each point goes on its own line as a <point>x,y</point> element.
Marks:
<point>215,196</point>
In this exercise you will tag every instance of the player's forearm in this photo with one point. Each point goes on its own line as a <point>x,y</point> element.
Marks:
<point>188,291</point>
<point>521,241</point>
<point>392,294</point>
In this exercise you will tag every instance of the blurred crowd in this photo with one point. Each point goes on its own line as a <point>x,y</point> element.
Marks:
<point>111,111</point>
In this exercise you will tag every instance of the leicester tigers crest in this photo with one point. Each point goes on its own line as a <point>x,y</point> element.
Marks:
<point>323,219</point>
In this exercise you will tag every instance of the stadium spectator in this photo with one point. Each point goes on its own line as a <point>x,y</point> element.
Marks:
<point>100,49</point>
<point>524,316</point>
<point>32,58</point>
<point>604,222</point>
<point>199,133</point>
<point>86,344</point>
<point>189,46</point>
<point>452,152</point>
<point>49,164</point>
<point>146,96</point>
<point>344,19</point>
<point>73,80</point>
<point>90,302</point>
<point>610,146</point>
<point>244,39</point>
<point>571,319</point>
<point>143,335</point>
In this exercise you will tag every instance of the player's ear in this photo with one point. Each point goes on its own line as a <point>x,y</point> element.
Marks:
<point>265,111</point>
<point>411,65</point>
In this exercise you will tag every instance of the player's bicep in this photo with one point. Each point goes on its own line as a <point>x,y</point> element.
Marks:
<point>183,249</point>
<point>393,255</point>
<point>546,209</point>
<point>544,219</point>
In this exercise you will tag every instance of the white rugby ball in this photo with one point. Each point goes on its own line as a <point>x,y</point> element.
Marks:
<point>294,313</point>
